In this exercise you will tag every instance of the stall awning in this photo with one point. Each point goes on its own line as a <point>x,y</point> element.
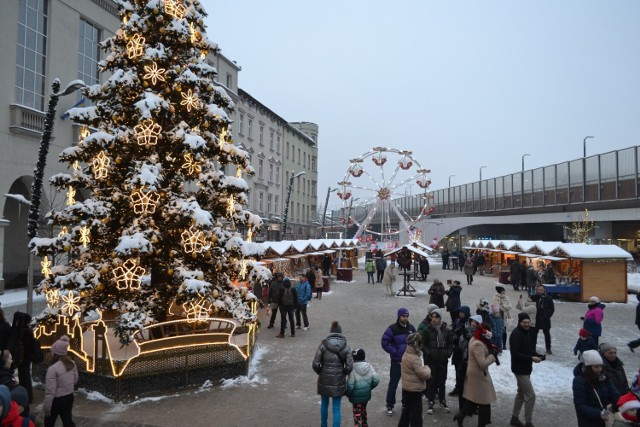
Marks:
<point>512,253</point>
<point>553,258</point>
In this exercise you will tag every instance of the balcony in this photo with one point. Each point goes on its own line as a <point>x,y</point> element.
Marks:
<point>26,120</point>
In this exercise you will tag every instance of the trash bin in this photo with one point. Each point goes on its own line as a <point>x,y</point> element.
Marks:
<point>326,287</point>
<point>504,277</point>
<point>345,274</point>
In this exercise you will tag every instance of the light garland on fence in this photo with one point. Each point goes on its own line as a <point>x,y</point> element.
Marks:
<point>147,132</point>
<point>193,240</point>
<point>46,267</point>
<point>128,275</point>
<point>101,165</point>
<point>134,46</point>
<point>144,202</point>
<point>154,73</point>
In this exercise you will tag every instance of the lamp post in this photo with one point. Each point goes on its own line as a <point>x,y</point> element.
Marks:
<point>481,167</point>
<point>36,186</point>
<point>324,214</point>
<point>584,145</point>
<point>523,156</point>
<point>286,206</point>
<point>451,176</point>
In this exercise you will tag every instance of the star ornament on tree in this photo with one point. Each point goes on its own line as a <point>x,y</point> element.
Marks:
<point>147,132</point>
<point>144,202</point>
<point>189,100</point>
<point>70,304</point>
<point>193,240</point>
<point>134,46</point>
<point>128,275</point>
<point>154,73</point>
<point>101,165</point>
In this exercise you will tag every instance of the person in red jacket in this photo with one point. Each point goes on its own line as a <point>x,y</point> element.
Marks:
<point>10,416</point>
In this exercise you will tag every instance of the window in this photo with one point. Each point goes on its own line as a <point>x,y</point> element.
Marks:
<point>271,140</point>
<point>293,154</point>
<point>261,134</point>
<point>278,174</point>
<point>276,204</point>
<point>241,130</point>
<point>287,150</point>
<point>278,144</point>
<point>88,52</point>
<point>304,160</point>
<point>269,197</point>
<point>260,165</point>
<point>270,172</point>
<point>250,135</point>
<point>299,155</point>
<point>229,80</point>
<point>304,186</point>
<point>313,164</point>
<point>31,55</point>
<point>261,202</point>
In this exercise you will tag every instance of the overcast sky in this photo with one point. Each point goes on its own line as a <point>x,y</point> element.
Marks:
<point>462,84</point>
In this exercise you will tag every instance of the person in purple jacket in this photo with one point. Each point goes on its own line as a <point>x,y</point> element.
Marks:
<point>394,342</point>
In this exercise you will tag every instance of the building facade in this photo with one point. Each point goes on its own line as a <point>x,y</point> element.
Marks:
<point>46,39</point>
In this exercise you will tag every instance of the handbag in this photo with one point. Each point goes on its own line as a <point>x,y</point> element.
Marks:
<point>608,422</point>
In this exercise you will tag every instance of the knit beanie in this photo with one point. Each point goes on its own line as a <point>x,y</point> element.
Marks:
<point>358,355</point>
<point>430,308</point>
<point>413,338</point>
<point>5,399</point>
<point>594,300</point>
<point>61,347</point>
<point>477,318</point>
<point>523,316</point>
<point>500,289</point>
<point>20,396</point>
<point>592,357</point>
<point>583,333</point>
<point>438,312</point>
<point>605,346</point>
<point>335,327</point>
<point>402,312</point>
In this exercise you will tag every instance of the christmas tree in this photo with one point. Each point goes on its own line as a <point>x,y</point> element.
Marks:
<point>160,223</point>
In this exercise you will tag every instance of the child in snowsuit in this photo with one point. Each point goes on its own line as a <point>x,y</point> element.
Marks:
<point>585,342</point>
<point>362,379</point>
<point>497,324</point>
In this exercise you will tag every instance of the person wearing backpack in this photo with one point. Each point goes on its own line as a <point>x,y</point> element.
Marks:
<point>303,289</point>
<point>274,292</point>
<point>287,299</point>
<point>25,349</point>
<point>10,411</point>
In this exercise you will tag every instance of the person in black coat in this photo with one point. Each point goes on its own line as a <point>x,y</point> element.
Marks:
<point>522,345</point>
<point>453,299</point>
<point>272,298</point>
<point>515,271</point>
<point>594,396</point>
<point>636,343</point>
<point>381,265</point>
<point>287,307</point>
<point>424,267</point>
<point>544,312</point>
<point>22,334</point>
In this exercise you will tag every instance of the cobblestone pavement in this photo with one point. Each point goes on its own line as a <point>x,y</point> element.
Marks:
<point>281,387</point>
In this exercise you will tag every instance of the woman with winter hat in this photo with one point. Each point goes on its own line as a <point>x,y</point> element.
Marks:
<point>593,393</point>
<point>61,379</point>
<point>613,367</point>
<point>333,362</point>
<point>593,318</point>
<point>414,375</point>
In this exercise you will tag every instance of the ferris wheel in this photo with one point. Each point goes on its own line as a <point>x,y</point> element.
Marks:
<point>380,178</point>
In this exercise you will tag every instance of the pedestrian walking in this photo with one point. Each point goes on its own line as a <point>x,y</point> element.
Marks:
<point>370,268</point>
<point>381,266</point>
<point>319,282</point>
<point>498,328</point>
<point>274,291</point>
<point>303,291</point>
<point>389,278</point>
<point>584,343</point>
<point>453,299</point>
<point>478,385</point>
<point>532,279</point>
<point>544,312</point>
<point>414,380</point>
<point>287,299</point>
<point>636,343</point>
<point>593,394</point>
<point>326,265</point>
<point>436,293</point>
<point>361,381</point>
<point>333,362</point>
<point>501,299</point>
<point>445,259</point>
<point>462,330</point>
<point>5,331</point>
<point>468,270</point>
<point>437,348</point>
<point>522,345</point>
<point>593,318</point>
<point>61,379</point>
<point>424,267</point>
<point>394,342</point>
<point>515,274</point>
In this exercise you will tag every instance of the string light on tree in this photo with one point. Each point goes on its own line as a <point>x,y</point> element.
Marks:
<point>128,275</point>
<point>249,234</point>
<point>46,267</point>
<point>194,33</point>
<point>53,298</point>
<point>191,165</point>
<point>84,132</point>
<point>70,304</point>
<point>196,310</point>
<point>101,165</point>
<point>189,100</point>
<point>147,132</point>
<point>193,240</point>
<point>135,46</point>
<point>144,202</point>
<point>243,268</point>
<point>154,73</point>
<point>71,196</point>
<point>63,231</point>
<point>231,205</point>
<point>85,236</point>
<point>174,8</point>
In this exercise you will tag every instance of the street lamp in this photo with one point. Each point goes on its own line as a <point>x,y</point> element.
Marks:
<point>324,214</point>
<point>584,145</point>
<point>286,206</point>
<point>523,156</point>
<point>481,167</point>
<point>451,176</point>
<point>36,186</point>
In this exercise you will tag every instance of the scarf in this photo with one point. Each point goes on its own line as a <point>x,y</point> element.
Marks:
<point>479,335</point>
<point>439,339</point>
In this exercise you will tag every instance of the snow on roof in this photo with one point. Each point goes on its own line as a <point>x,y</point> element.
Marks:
<point>523,245</point>
<point>300,245</point>
<point>278,247</point>
<point>422,246</point>
<point>545,247</point>
<point>584,251</point>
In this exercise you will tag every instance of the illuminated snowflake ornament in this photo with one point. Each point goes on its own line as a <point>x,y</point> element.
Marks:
<point>174,8</point>
<point>71,196</point>
<point>147,132</point>
<point>134,46</point>
<point>154,73</point>
<point>46,267</point>
<point>70,303</point>
<point>196,310</point>
<point>191,165</point>
<point>189,100</point>
<point>101,165</point>
<point>53,298</point>
<point>128,275</point>
<point>144,202</point>
<point>193,240</point>
<point>85,236</point>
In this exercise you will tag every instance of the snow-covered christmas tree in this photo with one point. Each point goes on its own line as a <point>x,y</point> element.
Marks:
<point>159,225</point>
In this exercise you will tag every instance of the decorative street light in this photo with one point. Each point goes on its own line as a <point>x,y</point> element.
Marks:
<point>324,214</point>
<point>523,156</point>
<point>286,206</point>
<point>584,145</point>
<point>36,186</point>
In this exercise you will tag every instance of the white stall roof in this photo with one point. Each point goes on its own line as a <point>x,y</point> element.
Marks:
<point>546,247</point>
<point>584,251</point>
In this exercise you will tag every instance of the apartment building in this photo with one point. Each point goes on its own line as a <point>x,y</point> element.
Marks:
<point>41,40</point>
